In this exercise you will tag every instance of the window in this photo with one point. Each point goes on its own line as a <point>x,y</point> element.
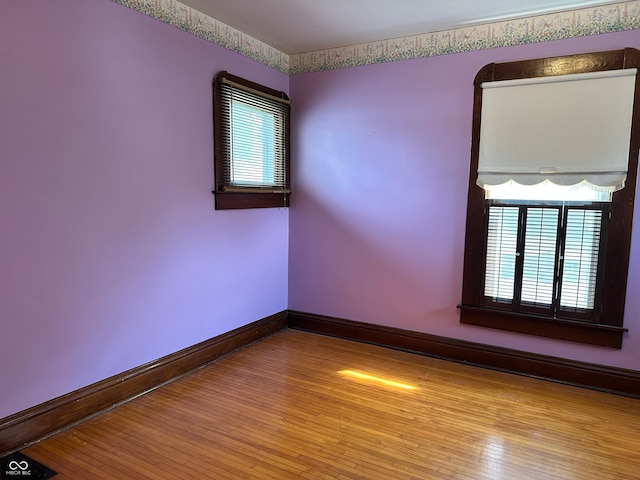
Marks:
<point>551,194</point>
<point>251,136</point>
<point>544,259</point>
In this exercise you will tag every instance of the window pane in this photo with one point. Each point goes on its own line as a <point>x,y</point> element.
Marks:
<point>580,258</point>
<point>252,145</point>
<point>502,240</point>
<point>539,261</point>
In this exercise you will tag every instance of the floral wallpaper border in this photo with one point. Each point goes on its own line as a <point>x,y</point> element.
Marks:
<point>575,23</point>
<point>181,16</point>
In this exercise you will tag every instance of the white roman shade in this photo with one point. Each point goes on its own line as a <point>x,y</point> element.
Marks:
<point>567,129</point>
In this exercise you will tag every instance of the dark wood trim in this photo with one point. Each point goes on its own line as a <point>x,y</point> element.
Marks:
<point>562,329</point>
<point>580,63</point>
<point>28,426</point>
<point>226,200</point>
<point>241,200</point>
<point>251,85</point>
<point>597,377</point>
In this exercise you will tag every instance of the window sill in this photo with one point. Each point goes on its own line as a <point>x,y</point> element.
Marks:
<point>573,331</point>
<point>239,200</point>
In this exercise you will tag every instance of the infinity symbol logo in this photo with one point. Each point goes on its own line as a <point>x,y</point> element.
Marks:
<point>14,465</point>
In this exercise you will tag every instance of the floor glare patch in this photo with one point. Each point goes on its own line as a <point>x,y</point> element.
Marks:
<point>18,466</point>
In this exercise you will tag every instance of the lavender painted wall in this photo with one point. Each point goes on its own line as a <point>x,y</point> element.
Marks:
<point>111,253</point>
<point>381,170</point>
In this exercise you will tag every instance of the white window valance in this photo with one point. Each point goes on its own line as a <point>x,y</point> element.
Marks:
<point>567,129</point>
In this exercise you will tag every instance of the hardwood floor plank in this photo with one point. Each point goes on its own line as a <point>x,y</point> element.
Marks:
<point>284,408</point>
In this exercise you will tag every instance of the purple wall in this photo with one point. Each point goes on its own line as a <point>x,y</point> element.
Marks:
<point>111,253</point>
<point>381,171</point>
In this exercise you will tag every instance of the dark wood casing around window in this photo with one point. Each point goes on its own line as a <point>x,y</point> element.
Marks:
<point>258,198</point>
<point>609,330</point>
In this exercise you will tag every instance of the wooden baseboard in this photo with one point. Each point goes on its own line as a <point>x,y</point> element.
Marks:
<point>28,426</point>
<point>599,377</point>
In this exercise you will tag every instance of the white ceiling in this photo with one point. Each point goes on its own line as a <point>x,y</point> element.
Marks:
<point>297,26</point>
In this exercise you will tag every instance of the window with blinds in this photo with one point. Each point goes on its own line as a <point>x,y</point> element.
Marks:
<point>543,257</point>
<point>251,134</point>
<point>552,182</point>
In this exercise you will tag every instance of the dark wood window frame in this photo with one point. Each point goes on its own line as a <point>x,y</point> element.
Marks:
<point>226,195</point>
<point>607,329</point>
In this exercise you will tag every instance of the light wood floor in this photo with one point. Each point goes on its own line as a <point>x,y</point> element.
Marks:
<point>288,408</point>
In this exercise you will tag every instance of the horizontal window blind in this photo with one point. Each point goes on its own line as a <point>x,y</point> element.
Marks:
<point>540,252</point>
<point>580,263</point>
<point>254,139</point>
<point>543,257</point>
<point>502,242</point>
